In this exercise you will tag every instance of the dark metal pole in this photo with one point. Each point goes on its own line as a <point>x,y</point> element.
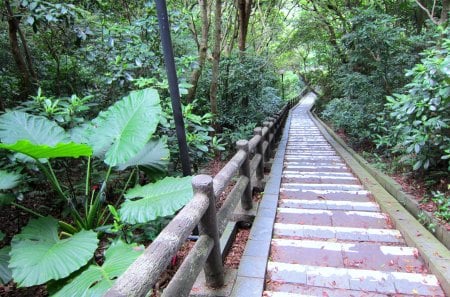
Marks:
<point>166,41</point>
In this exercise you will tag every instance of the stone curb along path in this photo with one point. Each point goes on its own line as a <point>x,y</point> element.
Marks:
<point>320,232</point>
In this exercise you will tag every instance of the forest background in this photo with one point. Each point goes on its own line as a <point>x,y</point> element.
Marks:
<point>381,69</point>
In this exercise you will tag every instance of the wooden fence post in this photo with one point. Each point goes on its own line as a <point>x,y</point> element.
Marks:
<point>271,137</point>
<point>246,200</point>
<point>259,150</point>
<point>214,271</point>
<point>266,137</point>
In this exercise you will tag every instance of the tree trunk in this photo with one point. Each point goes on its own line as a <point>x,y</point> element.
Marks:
<point>27,53</point>
<point>231,30</point>
<point>26,70</point>
<point>216,59</point>
<point>244,11</point>
<point>444,11</point>
<point>202,50</point>
<point>431,14</point>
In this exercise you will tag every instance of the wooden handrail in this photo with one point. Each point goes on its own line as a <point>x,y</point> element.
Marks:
<point>249,161</point>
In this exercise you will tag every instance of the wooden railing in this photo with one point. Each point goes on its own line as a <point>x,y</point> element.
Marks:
<point>249,161</point>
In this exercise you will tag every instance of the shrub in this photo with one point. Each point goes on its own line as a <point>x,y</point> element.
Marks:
<point>421,116</point>
<point>351,117</point>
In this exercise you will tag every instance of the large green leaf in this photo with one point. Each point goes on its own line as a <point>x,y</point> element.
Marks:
<point>154,156</point>
<point>96,280</point>
<point>122,131</point>
<point>5,272</point>
<point>37,137</point>
<point>9,180</point>
<point>60,150</point>
<point>38,255</point>
<point>17,125</point>
<point>160,199</point>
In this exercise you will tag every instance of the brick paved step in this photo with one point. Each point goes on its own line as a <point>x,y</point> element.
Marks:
<point>307,153</point>
<point>310,142</point>
<point>355,255</point>
<point>319,164</point>
<point>293,173</point>
<point>298,157</point>
<point>337,218</point>
<point>383,282</point>
<point>329,205</point>
<point>320,186</point>
<point>301,179</point>
<point>309,147</point>
<point>310,167</point>
<point>316,145</point>
<point>286,289</point>
<point>336,195</point>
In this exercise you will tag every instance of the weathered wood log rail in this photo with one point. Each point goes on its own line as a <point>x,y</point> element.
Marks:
<point>249,162</point>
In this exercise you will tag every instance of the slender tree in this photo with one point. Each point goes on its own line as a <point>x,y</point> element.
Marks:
<point>244,8</point>
<point>22,60</point>
<point>216,56</point>
<point>202,48</point>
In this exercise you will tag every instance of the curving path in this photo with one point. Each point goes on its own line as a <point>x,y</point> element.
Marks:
<point>322,232</point>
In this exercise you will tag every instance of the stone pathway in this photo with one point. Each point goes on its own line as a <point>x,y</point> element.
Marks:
<point>322,232</point>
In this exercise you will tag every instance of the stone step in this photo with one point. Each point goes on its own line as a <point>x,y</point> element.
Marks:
<point>308,153</point>
<point>336,195</point>
<point>320,164</point>
<point>277,289</point>
<point>310,167</point>
<point>299,157</point>
<point>310,146</point>
<point>283,294</point>
<point>294,173</point>
<point>329,205</point>
<point>355,279</point>
<point>355,255</point>
<point>320,186</point>
<point>299,179</point>
<point>337,218</point>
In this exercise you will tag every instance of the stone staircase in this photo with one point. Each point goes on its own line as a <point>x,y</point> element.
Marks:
<point>330,237</point>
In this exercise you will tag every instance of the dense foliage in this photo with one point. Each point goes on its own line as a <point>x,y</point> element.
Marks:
<point>382,71</point>
<point>420,118</point>
<point>85,111</point>
<point>85,114</point>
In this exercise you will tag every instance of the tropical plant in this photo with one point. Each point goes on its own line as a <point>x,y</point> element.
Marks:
<point>202,146</point>
<point>39,253</point>
<point>95,280</point>
<point>5,272</point>
<point>442,202</point>
<point>66,111</point>
<point>123,137</point>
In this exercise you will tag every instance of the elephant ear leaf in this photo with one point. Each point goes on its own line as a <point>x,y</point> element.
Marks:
<point>37,137</point>
<point>96,280</point>
<point>160,199</point>
<point>9,180</point>
<point>39,255</point>
<point>154,157</point>
<point>5,272</point>
<point>122,131</point>
<point>17,125</point>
